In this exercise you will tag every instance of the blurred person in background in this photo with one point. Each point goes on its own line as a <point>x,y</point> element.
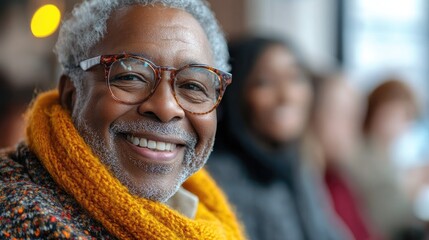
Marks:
<point>13,103</point>
<point>258,159</point>
<point>334,139</point>
<point>390,112</point>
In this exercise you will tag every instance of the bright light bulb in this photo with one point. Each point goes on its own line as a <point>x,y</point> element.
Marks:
<point>45,21</point>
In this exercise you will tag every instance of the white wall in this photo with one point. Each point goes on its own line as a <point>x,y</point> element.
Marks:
<point>309,23</point>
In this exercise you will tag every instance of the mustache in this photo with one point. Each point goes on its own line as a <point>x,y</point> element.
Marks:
<point>171,129</point>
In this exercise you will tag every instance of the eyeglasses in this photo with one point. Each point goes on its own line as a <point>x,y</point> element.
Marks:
<point>132,79</point>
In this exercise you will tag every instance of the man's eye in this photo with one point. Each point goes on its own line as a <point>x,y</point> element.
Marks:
<point>128,77</point>
<point>193,86</point>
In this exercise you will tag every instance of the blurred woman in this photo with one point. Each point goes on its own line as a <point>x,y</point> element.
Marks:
<point>258,158</point>
<point>392,108</point>
<point>336,135</point>
<point>391,111</point>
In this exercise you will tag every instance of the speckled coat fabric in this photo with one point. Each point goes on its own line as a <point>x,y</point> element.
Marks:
<point>32,206</point>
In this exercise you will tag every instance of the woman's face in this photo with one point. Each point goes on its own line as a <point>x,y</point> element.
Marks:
<point>277,97</point>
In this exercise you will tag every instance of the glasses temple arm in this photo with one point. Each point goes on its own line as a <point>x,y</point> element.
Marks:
<point>89,63</point>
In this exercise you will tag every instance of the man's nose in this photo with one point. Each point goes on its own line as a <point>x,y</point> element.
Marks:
<point>162,104</point>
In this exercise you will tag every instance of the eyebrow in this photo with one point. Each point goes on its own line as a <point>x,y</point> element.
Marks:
<point>143,55</point>
<point>183,63</point>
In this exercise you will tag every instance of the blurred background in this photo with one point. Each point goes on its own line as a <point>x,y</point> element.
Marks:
<point>369,41</point>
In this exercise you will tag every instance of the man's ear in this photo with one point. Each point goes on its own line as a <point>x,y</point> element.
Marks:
<point>67,92</point>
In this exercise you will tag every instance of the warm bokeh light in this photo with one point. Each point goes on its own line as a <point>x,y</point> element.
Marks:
<point>45,21</point>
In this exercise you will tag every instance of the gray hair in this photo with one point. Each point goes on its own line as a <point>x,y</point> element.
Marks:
<point>87,26</point>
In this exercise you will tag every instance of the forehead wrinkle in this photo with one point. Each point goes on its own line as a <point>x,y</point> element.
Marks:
<point>175,35</point>
<point>168,24</point>
<point>178,32</point>
<point>183,42</point>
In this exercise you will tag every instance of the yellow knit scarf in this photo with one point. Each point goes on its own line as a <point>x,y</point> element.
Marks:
<point>56,142</point>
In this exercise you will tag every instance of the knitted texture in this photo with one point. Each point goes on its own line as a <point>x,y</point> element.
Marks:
<point>71,163</point>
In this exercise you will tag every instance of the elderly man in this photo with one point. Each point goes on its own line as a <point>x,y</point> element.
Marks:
<point>107,154</point>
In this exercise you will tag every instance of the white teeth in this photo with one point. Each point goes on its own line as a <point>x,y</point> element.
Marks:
<point>155,145</point>
<point>136,141</point>
<point>160,146</point>
<point>143,142</point>
<point>151,144</point>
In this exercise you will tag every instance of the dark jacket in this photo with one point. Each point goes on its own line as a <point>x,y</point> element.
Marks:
<point>274,200</point>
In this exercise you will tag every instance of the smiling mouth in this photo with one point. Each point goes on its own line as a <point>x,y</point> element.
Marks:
<point>151,144</point>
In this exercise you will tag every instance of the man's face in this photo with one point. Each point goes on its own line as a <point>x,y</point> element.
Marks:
<point>178,142</point>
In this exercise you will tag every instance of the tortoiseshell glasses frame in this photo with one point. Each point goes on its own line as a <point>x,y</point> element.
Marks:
<point>224,78</point>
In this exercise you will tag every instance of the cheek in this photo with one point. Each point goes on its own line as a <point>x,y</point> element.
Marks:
<point>302,94</point>
<point>259,101</point>
<point>99,109</point>
<point>205,128</point>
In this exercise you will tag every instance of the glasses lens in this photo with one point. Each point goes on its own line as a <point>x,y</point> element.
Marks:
<point>131,80</point>
<point>197,89</point>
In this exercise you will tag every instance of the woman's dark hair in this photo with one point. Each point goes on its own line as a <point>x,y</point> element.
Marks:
<point>244,53</point>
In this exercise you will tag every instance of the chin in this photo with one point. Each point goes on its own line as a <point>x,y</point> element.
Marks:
<point>286,135</point>
<point>154,185</point>
<point>158,191</point>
